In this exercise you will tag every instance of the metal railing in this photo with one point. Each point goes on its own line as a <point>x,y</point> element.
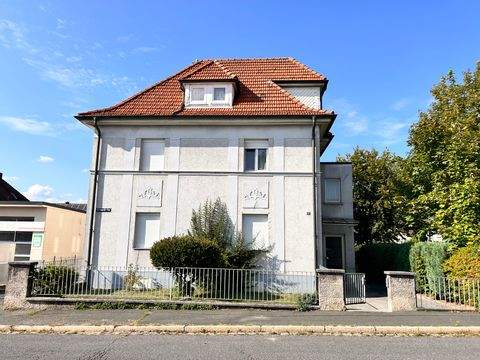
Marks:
<point>182,283</point>
<point>354,288</point>
<point>445,293</point>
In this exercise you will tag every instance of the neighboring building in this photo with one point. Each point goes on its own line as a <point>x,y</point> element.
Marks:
<point>249,131</point>
<point>41,231</point>
<point>8,192</point>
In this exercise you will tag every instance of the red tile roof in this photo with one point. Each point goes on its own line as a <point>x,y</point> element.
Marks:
<point>257,92</point>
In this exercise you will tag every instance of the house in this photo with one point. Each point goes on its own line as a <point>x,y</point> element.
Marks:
<point>35,230</point>
<point>248,131</point>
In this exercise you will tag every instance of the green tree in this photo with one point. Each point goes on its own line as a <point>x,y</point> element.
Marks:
<point>445,162</point>
<point>212,221</point>
<point>378,201</point>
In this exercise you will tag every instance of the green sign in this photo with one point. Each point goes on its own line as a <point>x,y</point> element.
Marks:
<point>37,239</point>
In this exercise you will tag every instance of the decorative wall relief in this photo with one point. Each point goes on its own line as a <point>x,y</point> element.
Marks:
<point>255,195</point>
<point>150,195</point>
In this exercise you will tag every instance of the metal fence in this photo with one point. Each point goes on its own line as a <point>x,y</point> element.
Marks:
<point>444,293</point>
<point>354,288</point>
<point>183,283</point>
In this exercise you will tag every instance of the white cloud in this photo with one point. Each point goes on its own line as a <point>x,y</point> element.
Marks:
<point>26,125</point>
<point>39,192</point>
<point>392,131</point>
<point>352,122</point>
<point>12,35</point>
<point>144,49</point>
<point>85,170</point>
<point>401,104</point>
<point>45,159</point>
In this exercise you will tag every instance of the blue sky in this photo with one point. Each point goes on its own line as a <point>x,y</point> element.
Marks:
<point>61,57</point>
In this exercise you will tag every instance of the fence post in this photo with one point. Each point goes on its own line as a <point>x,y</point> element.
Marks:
<point>19,284</point>
<point>401,291</point>
<point>330,289</point>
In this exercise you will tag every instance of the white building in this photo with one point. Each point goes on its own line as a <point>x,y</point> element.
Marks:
<point>249,131</point>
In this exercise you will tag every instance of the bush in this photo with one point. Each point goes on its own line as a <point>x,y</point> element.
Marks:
<point>306,301</point>
<point>186,251</point>
<point>374,259</point>
<point>55,280</point>
<point>213,222</point>
<point>464,263</point>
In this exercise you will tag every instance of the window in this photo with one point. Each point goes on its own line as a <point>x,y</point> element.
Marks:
<point>23,246</point>
<point>332,190</point>
<point>209,94</point>
<point>7,236</point>
<point>152,155</point>
<point>255,229</point>
<point>147,230</point>
<point>219,94</point>
<point>255,156</point>
<point>197,94</point>
<point>16,218</point>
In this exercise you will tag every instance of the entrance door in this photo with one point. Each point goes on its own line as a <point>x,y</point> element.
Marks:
<point>334,252</point>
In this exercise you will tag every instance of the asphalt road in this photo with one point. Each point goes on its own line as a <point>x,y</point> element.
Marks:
<point>212,347</point>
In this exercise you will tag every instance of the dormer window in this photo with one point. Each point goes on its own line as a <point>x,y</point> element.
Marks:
<point>197,95</point>
<point>218,94</point>
<point>210,94</point>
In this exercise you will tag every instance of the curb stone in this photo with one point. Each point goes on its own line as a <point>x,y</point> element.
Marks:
<point>245,329</point>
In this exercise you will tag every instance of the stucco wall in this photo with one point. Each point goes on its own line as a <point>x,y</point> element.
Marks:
<point>64,233</point>
<point>206,162</point>
<point>342,171</point>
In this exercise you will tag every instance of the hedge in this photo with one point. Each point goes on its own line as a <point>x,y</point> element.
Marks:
<point>374,259</point>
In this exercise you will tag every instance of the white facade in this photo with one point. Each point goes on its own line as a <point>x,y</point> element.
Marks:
<point>192,164</point>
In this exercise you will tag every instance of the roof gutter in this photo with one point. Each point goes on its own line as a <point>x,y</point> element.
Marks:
<point>93,200</point>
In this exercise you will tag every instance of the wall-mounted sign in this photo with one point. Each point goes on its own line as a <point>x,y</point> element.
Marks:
<point>37,239</point>
<point>104,209</point>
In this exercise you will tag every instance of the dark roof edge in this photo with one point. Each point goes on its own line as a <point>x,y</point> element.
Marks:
<point>42,203</point>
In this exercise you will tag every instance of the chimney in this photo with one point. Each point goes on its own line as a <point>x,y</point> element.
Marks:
<point>1,176</point>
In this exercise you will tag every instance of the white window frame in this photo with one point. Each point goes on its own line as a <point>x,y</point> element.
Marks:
<point>339,201</point>
<point>198,102</point>
<point>141,155</point>
<point>256,144</point>
<point>135,229</point>
<point>208,100</point>
<point>267,223</point>
<point>224,100</point>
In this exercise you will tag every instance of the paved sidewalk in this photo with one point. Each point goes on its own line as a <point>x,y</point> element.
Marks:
<point>235,317</point>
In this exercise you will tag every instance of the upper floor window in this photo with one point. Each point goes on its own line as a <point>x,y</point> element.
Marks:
<point>219,94</point>
<point>197,95</point>
<point>332,190</point>
<point>209,94</point>
<point>152,155</point>
<point>255,156</point>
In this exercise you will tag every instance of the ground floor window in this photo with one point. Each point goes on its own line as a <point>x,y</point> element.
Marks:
<point>23,243</point>
<point>147,230</point>
<point>334,252</point>
<point>255,229</point>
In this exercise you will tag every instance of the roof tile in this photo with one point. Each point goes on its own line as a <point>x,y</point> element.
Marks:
<point>257,93</point>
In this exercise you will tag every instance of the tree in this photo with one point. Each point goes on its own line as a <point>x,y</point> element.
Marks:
<point>378,201</point>
<point>445,162</point>
<point>213,222</point>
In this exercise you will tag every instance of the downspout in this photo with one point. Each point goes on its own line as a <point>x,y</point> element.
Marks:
<point>93,208</point>
<point>314,187</point>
